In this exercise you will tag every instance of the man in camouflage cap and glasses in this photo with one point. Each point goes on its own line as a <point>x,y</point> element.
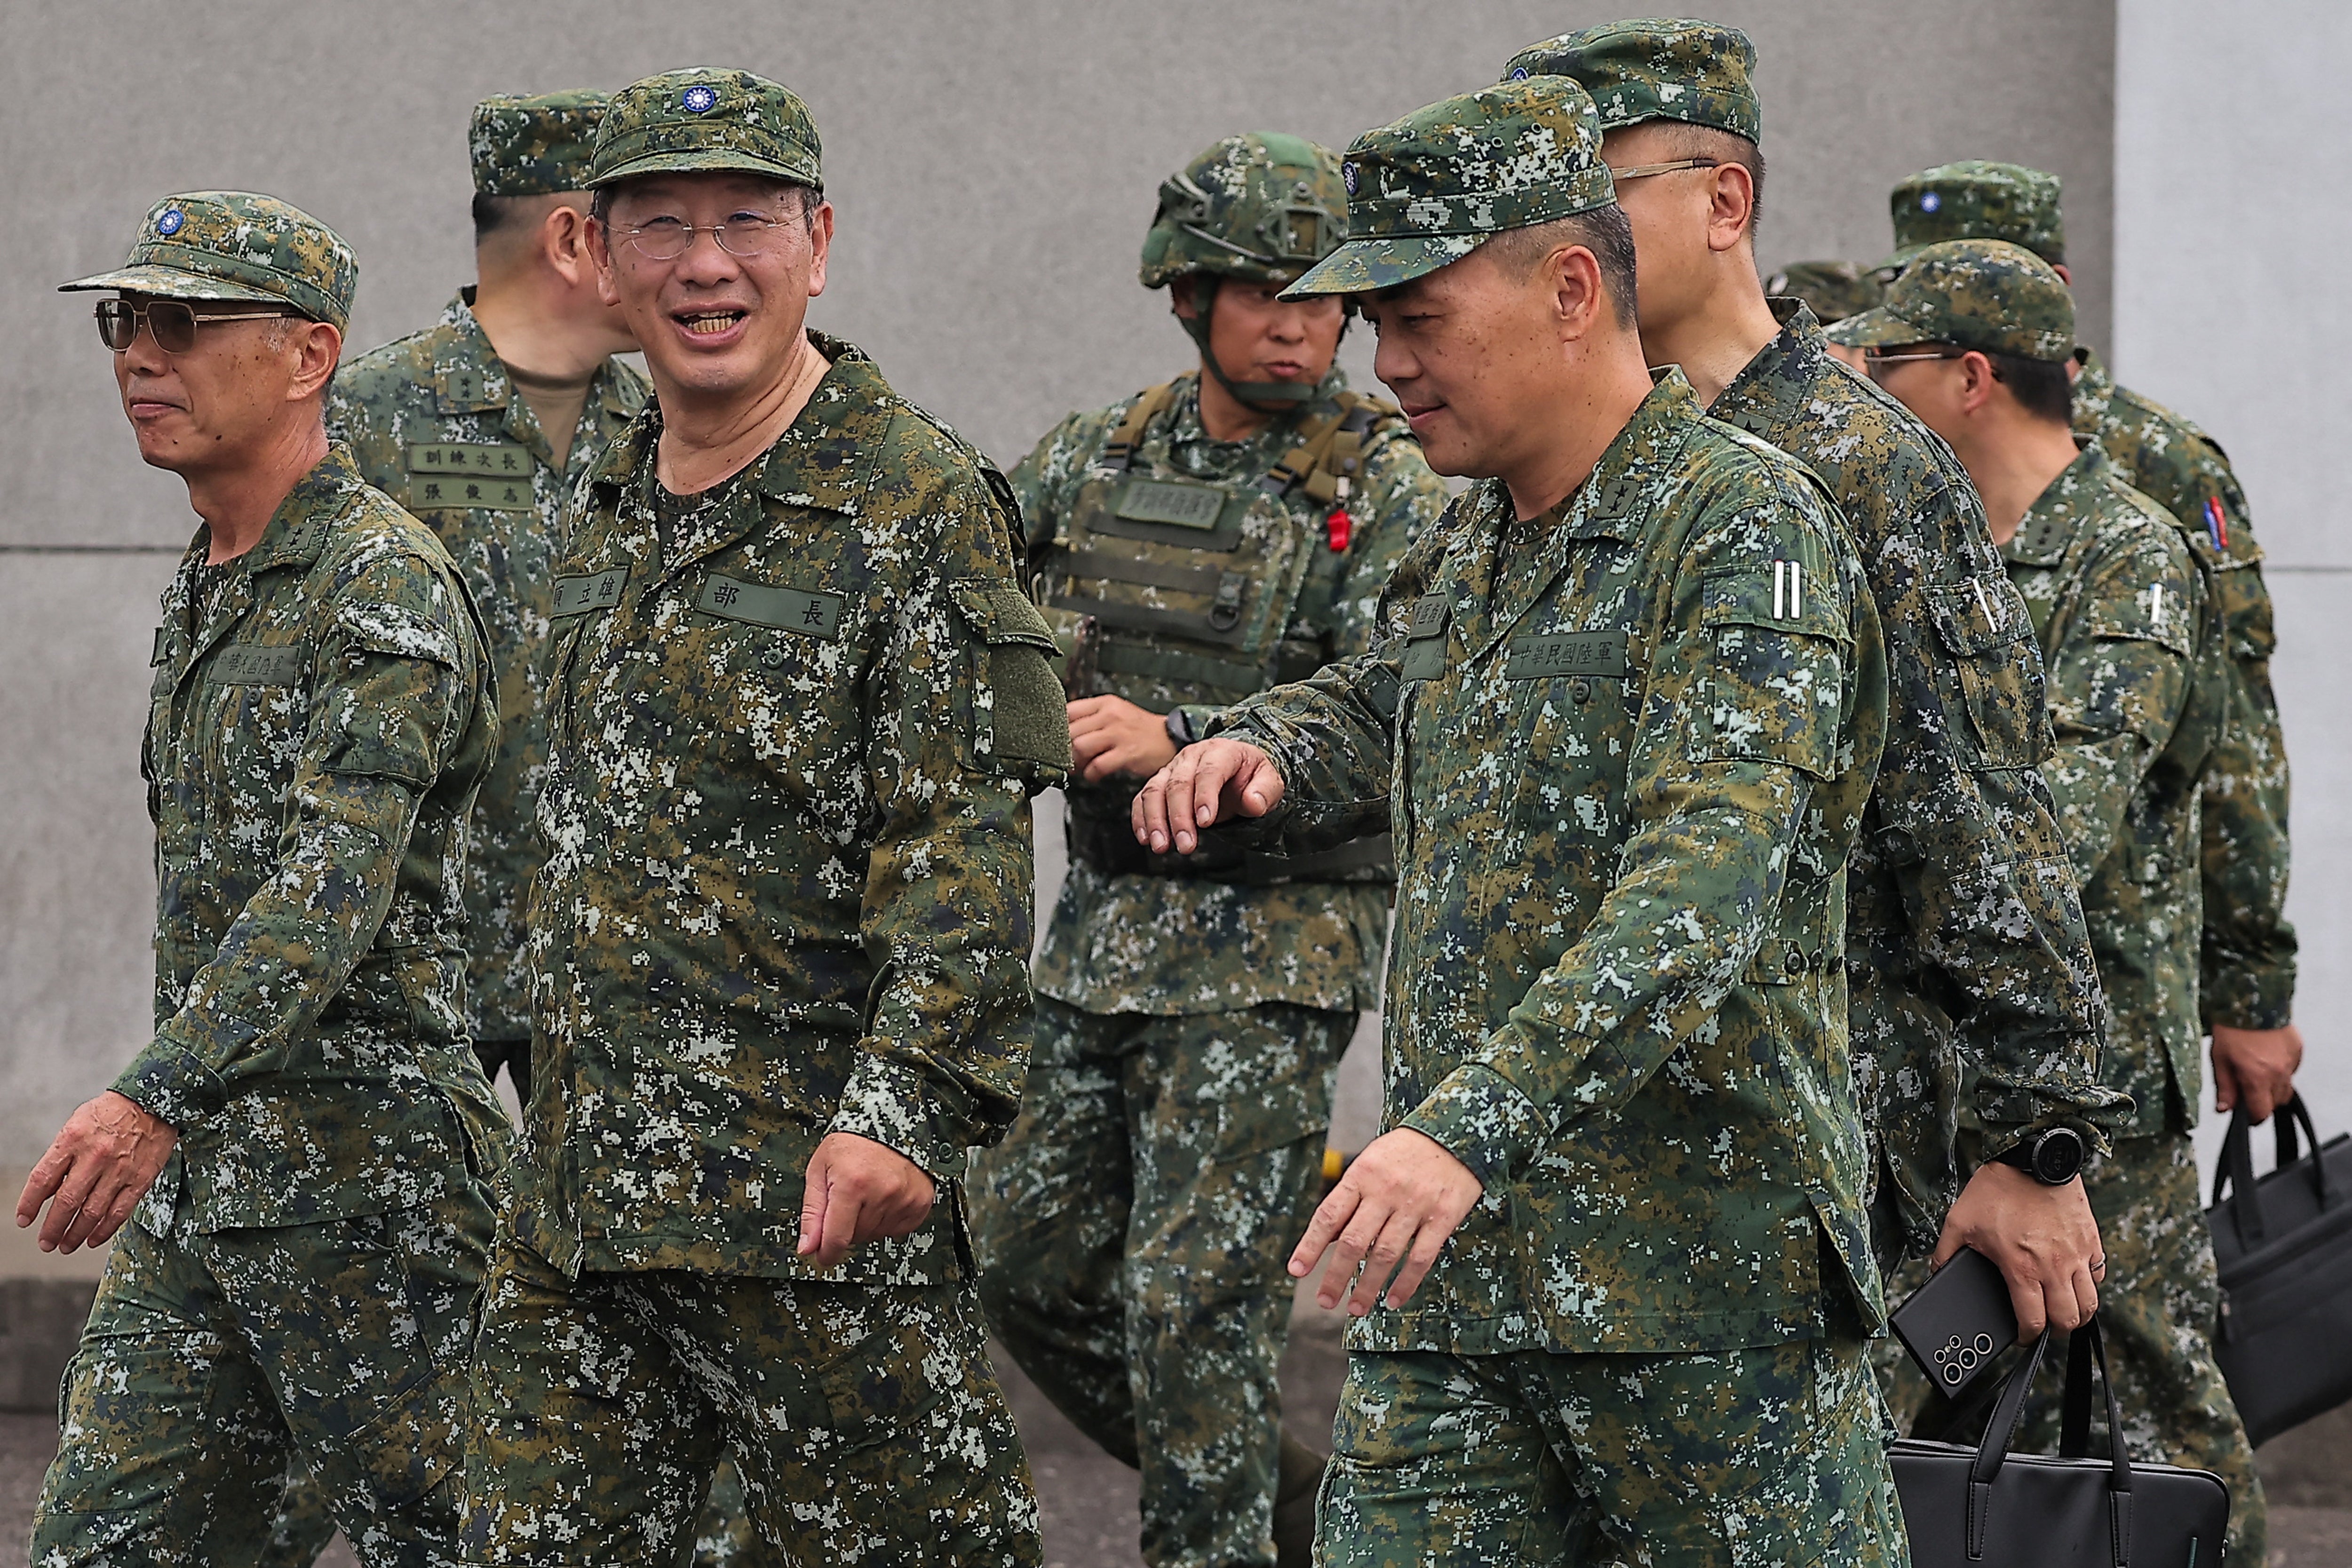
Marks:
<point>306,1150</point>
<point>2247,965</point>
<point>797,704</point>
<point>1192,1010</point>
<point>1616,1280</point>
<point>1965,940</point>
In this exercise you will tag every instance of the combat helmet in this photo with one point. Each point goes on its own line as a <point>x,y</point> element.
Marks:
<point>1262,207</point>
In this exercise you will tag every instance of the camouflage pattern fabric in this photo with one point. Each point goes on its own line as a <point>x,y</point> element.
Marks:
<point>1697,72</point>
<point>1966,940</point>
<point>1977,200</point>
<point>1833,290</point>
<point>865,1419</point>
<point>788,881</point>
<point>434,422</point>
<point>2248,962</point>
<point>1624,748</point>
<point>1260,205</point>
<point>702,119</point>
<point>213,1356</point>
<point>1140,943</point>
<point>236,245</point>
<point>315,736</point>
<point>1982,294</point>
<point>533,146</point>
<point>1132,1234</point>
<point>1544,1460</point>
<point>1430,188</point>
<point>2139,697</point>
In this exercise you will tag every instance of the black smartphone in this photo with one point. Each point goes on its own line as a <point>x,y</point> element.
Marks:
<point>1958,1324</point>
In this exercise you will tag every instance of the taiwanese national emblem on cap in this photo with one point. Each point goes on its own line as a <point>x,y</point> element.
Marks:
<point>1929,201</point>
<point>700,99</point>
<point>705,120</point>
<point>1347,177</point>
<point>171,223</point>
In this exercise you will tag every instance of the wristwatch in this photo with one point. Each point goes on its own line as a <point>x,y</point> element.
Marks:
<point>2052,1157</point>
<point>1180,728</point>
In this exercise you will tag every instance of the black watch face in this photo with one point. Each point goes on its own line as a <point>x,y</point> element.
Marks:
<point>2058,1156</point>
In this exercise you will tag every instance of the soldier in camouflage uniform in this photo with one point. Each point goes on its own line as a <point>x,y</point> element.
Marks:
<point>2140,687</point>
<point>1193,1011</point>
<point>1964,936</point>
<point>1622,720</point>
<point>300,1277</point>
<point>1831,291</point>
<point>797,704</point>
<point>2247,958</point>
<point>451,424</point>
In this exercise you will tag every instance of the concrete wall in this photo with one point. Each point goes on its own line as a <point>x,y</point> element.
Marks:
<point>994,165</point>
<point>2230,306</point>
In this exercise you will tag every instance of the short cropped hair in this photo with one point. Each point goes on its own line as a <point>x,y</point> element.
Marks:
<point>1684,140</point>
<point>1603,231</point>
<point>2042,386</point>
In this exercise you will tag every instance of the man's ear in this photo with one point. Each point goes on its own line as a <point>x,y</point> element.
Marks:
<point>318,346</point>
<point>1180,298</point>
<point>1977,380</point>
<point>2065,275</point>
<point>1731,206</point>
<point>819,246</point>
<point>563,243</point>
<point>1578,301</point>
<point>599,255</point>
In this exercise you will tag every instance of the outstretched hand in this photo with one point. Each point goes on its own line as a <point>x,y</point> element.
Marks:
<point>98,1168</point>
<point>2044,1239</point>
<point>1392,1213</point>
<point>1209,783</point>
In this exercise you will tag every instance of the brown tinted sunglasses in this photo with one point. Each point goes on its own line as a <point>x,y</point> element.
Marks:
<point>174,322</point>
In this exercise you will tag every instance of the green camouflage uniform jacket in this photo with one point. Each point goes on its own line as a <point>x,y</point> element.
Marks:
<point>2139,695</point>
<point>2248,964</point>
<point>434,425</point>
<point>1961,904</point>
<point>1624,748</point>
<point>1176,945</point>
<point>788,875</point>
<point>314,746</point>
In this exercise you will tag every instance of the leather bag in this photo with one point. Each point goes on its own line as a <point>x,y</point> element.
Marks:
<point>2284,1246</point>
<point>1966,1506</point>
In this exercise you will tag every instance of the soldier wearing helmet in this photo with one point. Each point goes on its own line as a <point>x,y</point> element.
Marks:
<point>1195,543</point>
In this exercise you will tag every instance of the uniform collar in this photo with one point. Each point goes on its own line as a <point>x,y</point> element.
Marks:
<point>2056,520</point>
<point>1768,385</point>
<point>2093,390</point>
<point>297,534</point>
<point>467,376</point>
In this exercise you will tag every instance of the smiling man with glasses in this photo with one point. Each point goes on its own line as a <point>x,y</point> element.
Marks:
<point>797,705</point>
<point>305,1149</point>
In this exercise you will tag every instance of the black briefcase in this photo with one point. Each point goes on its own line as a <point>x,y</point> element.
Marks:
<point>1967,1506</point>
<point>2284,1245</point>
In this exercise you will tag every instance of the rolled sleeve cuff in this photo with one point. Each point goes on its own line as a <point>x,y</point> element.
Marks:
<point>170,1081</point>
<point>2249,997</point>
<point>2010,1115</point>
<point>887,1102</point>
<point>1483,1120</point>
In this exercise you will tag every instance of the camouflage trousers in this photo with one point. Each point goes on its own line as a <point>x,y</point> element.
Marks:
<point>866,1420</point>
<point>1133,1231</point>
<point>1767,1457</point>
<point>210,1360</point>
<point>2156,1307</point>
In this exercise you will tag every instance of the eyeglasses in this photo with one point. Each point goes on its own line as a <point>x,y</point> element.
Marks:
<point>1644,171</point>
<point>172,322</point>
<point>1881,356</point>
<point>744,235</point>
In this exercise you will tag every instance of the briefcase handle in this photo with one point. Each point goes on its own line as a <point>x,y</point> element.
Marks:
<point>2235,1174</point>
<point>2074,1442</point>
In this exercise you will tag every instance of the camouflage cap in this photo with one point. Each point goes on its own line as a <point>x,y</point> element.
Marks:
<point>1976,200</point>
<point>705,120</point>
<point>536,146</point>
<point>1262,207</point>
<point>1832,290</point>
<point>1982,294</point>
<point>1430,189</point>
<point>235,245</point>
<point>1658,69</point>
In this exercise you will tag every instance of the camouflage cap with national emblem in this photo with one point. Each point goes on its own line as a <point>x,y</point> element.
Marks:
<point>1656,68</point>
<point>1833,290</point>
<point>1982,294</point>
<point>707,121</point>
<point>535,146</point>
<point>1430,189</point>
<point>1977,200</point>
<point>236,245</point>
<point>1261,206</point>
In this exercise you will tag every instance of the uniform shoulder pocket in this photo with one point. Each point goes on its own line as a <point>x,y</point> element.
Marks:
<point>1983,632</point>
<point>1021,722</point>
<point>1776,661</point>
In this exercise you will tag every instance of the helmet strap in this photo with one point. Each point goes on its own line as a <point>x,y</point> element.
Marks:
<point>1275,396</point>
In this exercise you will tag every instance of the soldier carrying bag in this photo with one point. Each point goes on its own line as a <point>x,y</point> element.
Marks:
<point>2284,1247</point>
<point>1963,1507</point>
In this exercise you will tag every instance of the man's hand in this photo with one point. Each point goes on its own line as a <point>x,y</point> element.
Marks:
<point>2044,1238</point>
<point>98,1168</point>
<point>1110,735</point>
<point>2255,1066</point>
<point>1207,783</point>
<point>859,1190</point>
<point>1399,1202</point>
